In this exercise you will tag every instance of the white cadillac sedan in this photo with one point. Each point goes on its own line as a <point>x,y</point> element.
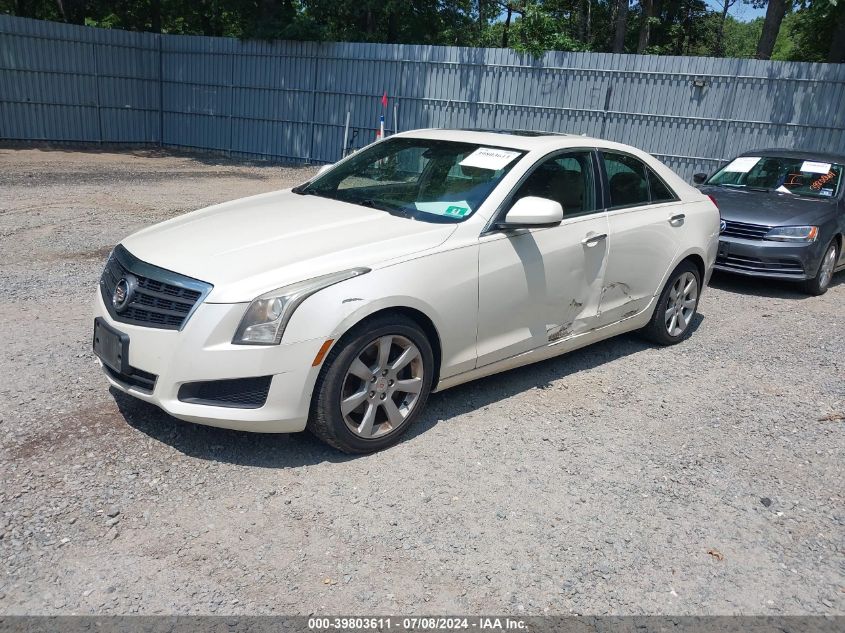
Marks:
<point>421,262</point>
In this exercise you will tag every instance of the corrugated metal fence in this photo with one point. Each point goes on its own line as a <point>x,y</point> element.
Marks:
<point>288,100</point>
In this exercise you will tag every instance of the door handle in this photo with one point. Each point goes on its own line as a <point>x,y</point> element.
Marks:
<point>677,219</point>
<point>592,240</point>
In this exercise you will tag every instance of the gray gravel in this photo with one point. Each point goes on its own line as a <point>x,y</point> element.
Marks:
<point>624,478</point>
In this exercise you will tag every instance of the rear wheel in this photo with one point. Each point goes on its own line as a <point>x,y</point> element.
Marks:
<point>373,385</point>
<point>676,306</point>
<point>819,284</point>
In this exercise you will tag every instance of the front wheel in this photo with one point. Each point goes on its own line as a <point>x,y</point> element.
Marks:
<point>819,284</point>
<point>373,385</point>
<point>676,306</point>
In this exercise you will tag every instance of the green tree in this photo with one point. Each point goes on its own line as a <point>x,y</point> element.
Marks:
<point>817,31</point>
<point>809,30</point>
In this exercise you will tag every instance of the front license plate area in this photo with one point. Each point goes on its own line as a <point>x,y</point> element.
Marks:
<point>724,249</point>
<point>111,346</point>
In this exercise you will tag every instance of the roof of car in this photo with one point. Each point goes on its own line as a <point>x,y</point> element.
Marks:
<point>828,157</point>
<point>526,140</point>
<point>528,133</point>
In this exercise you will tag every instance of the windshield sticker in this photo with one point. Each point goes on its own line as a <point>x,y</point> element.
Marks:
<point>826,192</point>
<point>742,164</point>
<point>452,209</point>
<point>489,158</point>
<point>815,168</point>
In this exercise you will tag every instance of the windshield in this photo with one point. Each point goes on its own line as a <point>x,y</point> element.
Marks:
<point>795,176</point>
<point>430,180</point>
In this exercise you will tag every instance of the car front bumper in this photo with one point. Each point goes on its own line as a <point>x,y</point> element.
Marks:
<point>766,258</point>
<point>202,351</point>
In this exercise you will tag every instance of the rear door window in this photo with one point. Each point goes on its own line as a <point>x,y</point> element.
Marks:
<point>627,180</point>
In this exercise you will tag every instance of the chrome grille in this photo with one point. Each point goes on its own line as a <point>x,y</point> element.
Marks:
<point>746,231</point>
<point>161,298</point>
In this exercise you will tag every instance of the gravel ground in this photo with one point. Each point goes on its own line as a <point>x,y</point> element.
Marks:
<point>620,479</point>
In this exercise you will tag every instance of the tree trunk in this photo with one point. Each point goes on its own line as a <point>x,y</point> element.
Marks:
<point>370,24</point>
<point>645,27</point>
<point>836,53</point>
<point>507,26</point>
<point>771,26</point>
<point>22,9</point>
<point>584,22</point>
<point>682,42</point>
<point>621,26</point>
<point>719,44</point>
<point>392,25</point>
<point>72,11</point>
<point>155,16</point>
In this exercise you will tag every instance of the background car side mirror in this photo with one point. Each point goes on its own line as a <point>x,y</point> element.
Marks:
<point>699,178</point>
<point>531,211</point>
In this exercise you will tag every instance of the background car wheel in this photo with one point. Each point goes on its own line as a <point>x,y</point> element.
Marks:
<point>819,284</point>
<point>676,306</point>
<point>373,385</point>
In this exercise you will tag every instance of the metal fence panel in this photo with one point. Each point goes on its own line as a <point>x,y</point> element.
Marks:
<point>289,100</point>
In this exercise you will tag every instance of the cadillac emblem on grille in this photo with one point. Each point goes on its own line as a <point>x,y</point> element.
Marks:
<point>123,293</point>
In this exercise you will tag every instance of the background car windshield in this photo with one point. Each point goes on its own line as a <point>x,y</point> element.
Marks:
<point>432,180</point>
<point>786,175</point>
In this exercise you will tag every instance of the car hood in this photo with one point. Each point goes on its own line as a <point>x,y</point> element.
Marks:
<point>250,246</point>
<point>769,208</point>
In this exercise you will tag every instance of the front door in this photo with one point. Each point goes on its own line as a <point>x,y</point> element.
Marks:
<point>538,286</point>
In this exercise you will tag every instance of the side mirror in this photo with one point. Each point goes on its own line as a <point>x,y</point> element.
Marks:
<point>699,178</point>
<point>531,211</point>
<point>324,169</point>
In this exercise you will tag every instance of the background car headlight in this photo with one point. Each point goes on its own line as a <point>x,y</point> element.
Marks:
<point>793,234</point>
<point>266,317</point>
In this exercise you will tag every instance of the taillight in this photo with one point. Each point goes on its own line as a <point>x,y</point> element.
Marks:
<point>713,200</point>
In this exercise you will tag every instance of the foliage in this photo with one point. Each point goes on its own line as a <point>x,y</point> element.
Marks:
<point>677,27</point>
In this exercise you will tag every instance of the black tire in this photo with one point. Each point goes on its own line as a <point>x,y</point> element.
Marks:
<point>657,330</point>
<point>819,284</point>
<point>327,422</point>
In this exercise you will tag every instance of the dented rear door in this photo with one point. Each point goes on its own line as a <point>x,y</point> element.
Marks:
<point>642,245</point>
<point>647,223</point>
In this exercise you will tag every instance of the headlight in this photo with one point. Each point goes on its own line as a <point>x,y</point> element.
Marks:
<point>266,317</point>
<point>793,234</point>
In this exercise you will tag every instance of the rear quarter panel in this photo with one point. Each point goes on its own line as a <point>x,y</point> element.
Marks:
<point>701,237</point>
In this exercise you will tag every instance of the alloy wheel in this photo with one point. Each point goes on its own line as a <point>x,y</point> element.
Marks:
<point>382,386</point>
<point>828,264</point>
<point>680,307</point>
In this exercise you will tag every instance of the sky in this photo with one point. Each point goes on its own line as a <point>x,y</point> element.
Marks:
<point>740,11</point>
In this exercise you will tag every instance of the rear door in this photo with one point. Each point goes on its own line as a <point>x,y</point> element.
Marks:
<point>538,286</point>
<point>645,218</point>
